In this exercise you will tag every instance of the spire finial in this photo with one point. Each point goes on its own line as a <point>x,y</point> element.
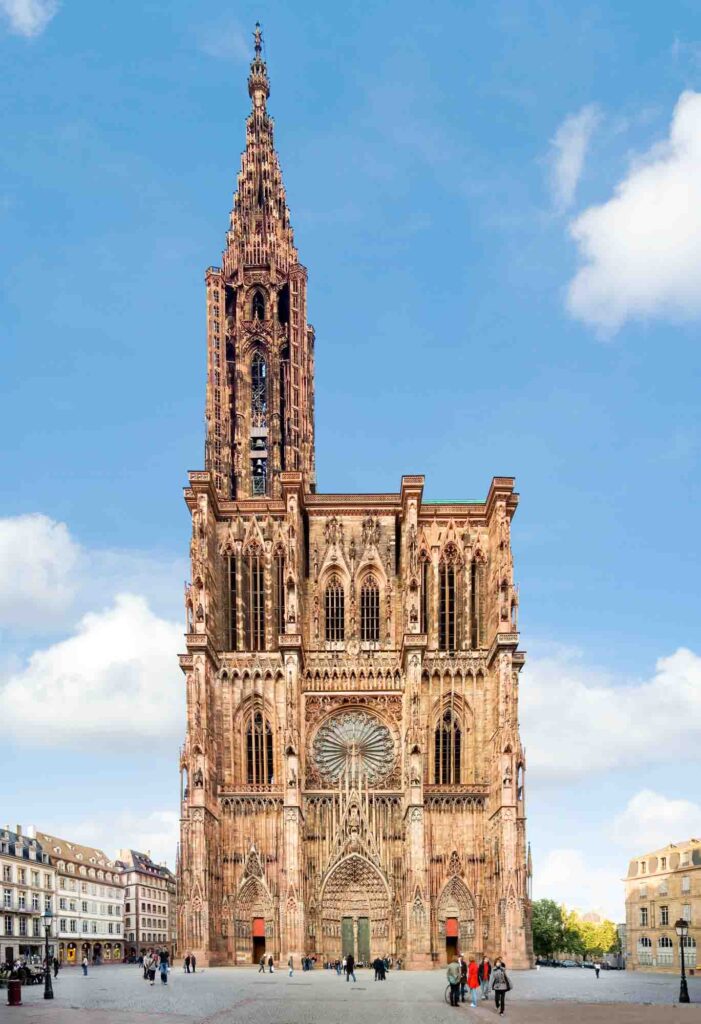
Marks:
<point>258,84</point>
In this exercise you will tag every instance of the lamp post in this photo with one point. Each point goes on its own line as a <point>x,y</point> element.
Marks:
<point>682,930</point>
<point>48,987</point>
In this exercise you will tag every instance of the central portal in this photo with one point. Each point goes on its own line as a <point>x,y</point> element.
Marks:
<point>355,915</point>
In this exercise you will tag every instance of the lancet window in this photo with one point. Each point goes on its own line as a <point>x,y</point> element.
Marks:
<point>334,608</point>
<point>259,750</point>
<point>447,613</point>
<point>254,596</point>
<point>231,602</point>
<point>370,610</point>
<point>259,391</point>
<point>258,306</point>
<point>425,597</point>
<point>447,749</point>
<point>279,568</point>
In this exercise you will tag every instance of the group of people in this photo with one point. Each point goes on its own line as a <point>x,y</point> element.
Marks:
<point>156,961</point>
<point>190,964</point>
<point>476,977</point>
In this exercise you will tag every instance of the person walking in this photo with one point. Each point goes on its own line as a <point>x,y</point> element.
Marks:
<point>501,985</point>
<point>597,968</point>
<point>193,963</point>
<point>473,980</point>
<point>261,965</point>
<point>56,965</point>
<point>270,965</point>
<point>186,964</point>
<point>163,968</point>
<point>85,966</point>
<point>484,973</point>
<point>350,967</point>
<point>291,965</point>
<point>463,976</point>
<point>453,975</point>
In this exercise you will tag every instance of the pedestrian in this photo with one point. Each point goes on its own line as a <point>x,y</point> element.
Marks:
<point>56,966</point>
<point>597,968</point>
<point>186,964</point>
<point>85,966</point>
<point>473,980</point>
<point>163,968</point>
<point>453,974</point>
<point>350,967</point>
<point>193,963</point>
<point>484,974</point>
<point>270,965</point>
<point>261,965</point>
<point>501,985</point>
<point>291,965</point>
<point>463,976</point>
<point>144,964</point>
<point>376,967</point>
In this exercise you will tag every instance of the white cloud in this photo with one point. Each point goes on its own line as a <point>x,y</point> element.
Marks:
<point>568,876</point>
<point>569,147</point>
<point>651,820</point>
<point>577,720</point>
<point>28,17</point>
<point>38,561</point>
<point>156,833</point>
<point>641,250</point>
<point>115,679</point>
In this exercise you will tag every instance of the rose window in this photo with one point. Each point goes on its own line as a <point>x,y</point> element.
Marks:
<point>355,742</point>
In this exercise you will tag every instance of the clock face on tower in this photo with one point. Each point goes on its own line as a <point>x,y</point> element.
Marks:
<point>354,741</point>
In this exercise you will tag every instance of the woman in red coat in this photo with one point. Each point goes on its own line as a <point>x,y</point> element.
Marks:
<point>472,979</point>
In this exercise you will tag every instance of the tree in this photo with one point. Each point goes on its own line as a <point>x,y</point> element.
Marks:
<point>547,927</point>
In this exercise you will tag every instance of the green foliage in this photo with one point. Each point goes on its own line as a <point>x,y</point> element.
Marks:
<point>557,930</point>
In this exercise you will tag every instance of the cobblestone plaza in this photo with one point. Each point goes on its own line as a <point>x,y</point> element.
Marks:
<point>118,995</point>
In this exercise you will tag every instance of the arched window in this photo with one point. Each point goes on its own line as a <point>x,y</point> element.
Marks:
<point>519,782</point>
<point>370,610</point>
<point>259,750</point>
<point>259,391</point>
<point>334,607</point>
<point>447,748</point>
<point>231,602</point>
<point>645,951</point>
<point>475,603</point>
<point>253,592</point>
<point>689,944</point>
<point>258,306</point>
<point>447,618</point>
<point>425,596</point>
<point>665,951</point>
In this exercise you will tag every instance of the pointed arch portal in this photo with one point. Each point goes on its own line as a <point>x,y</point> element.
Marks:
<point>356,911</point>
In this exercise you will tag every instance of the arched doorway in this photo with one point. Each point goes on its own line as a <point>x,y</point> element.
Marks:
<point>355,912</point>
<point>456,919</point>
<point>253,922</point>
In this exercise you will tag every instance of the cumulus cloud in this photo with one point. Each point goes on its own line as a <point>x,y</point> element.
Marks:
<point>568,150</point>
<point>641,250</point>
<point>28,17</point>
<point>577,720</point>
<point>115,679</point>
<point>155,832</point>
<point>38,561</point>
<point>651,820</point>
<point>569,876</point>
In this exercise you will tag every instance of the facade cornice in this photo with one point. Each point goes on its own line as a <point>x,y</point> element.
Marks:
<point>502,642</point>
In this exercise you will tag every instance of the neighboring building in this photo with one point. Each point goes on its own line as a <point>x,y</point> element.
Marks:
<point>353,776</point>
<point>90,902</point>
<point>28,890</point>
<point>661,888</point>
<point>149,908</point>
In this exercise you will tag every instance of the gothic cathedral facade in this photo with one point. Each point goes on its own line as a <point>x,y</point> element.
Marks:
<point>352,778</point>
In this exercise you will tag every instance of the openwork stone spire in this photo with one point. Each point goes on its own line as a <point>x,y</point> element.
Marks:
<point>260,230</point>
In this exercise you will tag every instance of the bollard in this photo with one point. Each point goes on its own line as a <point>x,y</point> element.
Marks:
<point>14,992</point>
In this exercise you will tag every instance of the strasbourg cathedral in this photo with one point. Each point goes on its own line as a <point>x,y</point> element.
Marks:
<point>352,779</point>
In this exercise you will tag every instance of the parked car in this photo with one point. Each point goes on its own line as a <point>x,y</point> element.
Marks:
<point>569,963</point>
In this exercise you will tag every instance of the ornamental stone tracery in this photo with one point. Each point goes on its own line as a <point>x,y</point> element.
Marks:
<point>356,743</point>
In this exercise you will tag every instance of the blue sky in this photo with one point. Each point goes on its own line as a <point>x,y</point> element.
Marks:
<point>500,210</point>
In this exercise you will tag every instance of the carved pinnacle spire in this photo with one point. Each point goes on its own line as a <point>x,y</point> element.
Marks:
<point>258,84</point>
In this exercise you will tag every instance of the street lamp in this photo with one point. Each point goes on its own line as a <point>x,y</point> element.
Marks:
<point>48,987</point>
<point>682,930</point>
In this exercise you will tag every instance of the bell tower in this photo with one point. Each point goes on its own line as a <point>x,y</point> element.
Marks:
<point>260,349</point>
